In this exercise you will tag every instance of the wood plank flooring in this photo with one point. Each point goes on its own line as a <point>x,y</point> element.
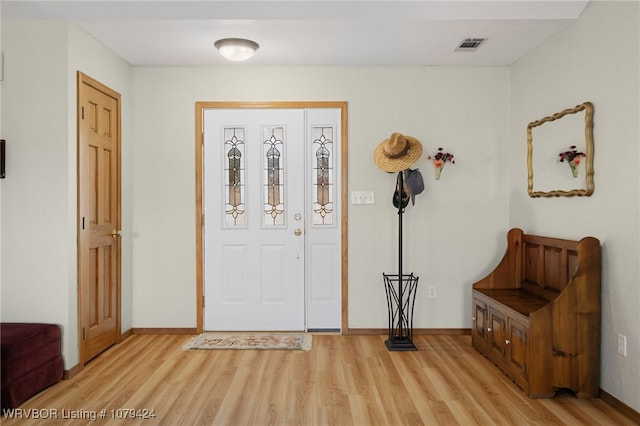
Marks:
<point>343,380</point>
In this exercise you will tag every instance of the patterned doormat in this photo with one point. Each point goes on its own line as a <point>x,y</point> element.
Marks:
<point>298,341</point>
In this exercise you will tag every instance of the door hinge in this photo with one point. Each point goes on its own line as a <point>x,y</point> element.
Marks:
<point>82,112</point>
<point>83,223</point>
<point>203,301</point>
<point>84,333</point>
<point>203,220</point>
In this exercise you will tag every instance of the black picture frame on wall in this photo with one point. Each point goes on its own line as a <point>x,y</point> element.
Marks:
<point>2,158</point>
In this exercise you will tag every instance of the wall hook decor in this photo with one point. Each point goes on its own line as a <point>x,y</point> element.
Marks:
<point>439,160</point>
<point>572,157</point>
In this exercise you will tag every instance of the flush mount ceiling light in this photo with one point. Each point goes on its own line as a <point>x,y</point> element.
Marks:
<point>236,49</point>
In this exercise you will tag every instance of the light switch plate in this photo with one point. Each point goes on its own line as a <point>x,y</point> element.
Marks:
<point>362,197</point>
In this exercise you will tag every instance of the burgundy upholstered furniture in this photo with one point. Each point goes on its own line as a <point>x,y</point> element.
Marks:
<point>31,360</point>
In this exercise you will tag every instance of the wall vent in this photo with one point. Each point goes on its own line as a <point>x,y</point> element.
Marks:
<point>470,44</point>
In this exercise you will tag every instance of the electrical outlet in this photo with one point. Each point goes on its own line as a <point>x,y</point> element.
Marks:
<point>622,344</point>
<point>432,292</point>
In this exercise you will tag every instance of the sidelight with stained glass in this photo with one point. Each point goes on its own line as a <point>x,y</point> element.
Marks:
<point>323,179</point>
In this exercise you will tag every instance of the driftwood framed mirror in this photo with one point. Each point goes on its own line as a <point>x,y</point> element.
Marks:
<point>560,153</point>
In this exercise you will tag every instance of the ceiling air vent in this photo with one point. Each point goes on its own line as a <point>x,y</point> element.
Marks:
<point>470,44</point>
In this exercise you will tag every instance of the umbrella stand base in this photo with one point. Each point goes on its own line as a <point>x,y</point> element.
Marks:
<point>401,296</point>
<point>400,344</point>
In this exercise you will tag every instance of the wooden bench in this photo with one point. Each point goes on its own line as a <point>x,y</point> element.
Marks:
<point>537,314</point>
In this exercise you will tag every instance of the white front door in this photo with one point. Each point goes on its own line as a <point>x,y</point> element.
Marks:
<point>254,205</point>
<point>269,197</point>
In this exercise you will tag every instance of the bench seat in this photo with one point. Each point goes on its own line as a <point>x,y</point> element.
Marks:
<point>517,299</point>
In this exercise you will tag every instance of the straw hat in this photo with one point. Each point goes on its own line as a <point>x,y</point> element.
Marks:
<point>397,153</point>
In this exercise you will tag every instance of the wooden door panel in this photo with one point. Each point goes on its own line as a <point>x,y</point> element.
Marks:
<point>497,333</point>
<point>91,188</point>
<point>517,353</point>
<point>98,216</point>
<point>107,182</point>
<point>518,343</point>
<point>106,289</point>
<point>93,286</point>
<point>518,346</point>
<point>480,315</point>
<point>479,330</point>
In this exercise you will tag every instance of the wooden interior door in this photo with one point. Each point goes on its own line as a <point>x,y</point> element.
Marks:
<point>98,217</point>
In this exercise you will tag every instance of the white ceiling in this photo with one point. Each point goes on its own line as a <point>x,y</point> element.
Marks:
<point>306,32</point>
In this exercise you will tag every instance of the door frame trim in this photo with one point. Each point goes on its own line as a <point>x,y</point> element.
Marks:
<point>80,80</point>
<point>199,110</point>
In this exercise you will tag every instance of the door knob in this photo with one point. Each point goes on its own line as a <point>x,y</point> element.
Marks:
<point>298,232</point>
<point>115,233</point>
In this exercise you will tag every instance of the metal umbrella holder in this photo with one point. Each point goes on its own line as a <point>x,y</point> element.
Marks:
<point>401,295</point>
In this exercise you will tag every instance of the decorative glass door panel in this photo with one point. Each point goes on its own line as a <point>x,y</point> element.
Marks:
<point>323,171</point>
<point>274,181</point>
<point>234,214</point>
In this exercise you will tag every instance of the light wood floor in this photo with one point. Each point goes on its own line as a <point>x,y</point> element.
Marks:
<point>343,380</point>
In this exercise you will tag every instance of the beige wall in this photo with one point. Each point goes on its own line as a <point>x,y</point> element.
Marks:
<point>456,221</point>
<point>36,272</point>
<point>39,274</point>
<point>597,59</point>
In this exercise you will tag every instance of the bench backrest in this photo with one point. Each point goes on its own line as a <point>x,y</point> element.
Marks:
<point>548,264</point>
<point>545,266</point>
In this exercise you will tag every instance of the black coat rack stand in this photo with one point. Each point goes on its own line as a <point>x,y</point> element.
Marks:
<point>401,294</point>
